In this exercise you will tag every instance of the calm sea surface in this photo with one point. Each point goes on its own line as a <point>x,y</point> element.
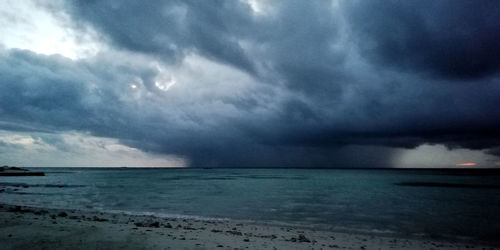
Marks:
<point>428,203</point>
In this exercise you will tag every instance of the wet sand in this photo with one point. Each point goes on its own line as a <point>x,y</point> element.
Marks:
<point>38,228</point>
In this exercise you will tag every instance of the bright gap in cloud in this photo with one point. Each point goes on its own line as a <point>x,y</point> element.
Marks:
<point>31,26</point>
<point>466,164</point>
<point>438,156</point>
<point>72,149</point>
<point>258,7</point>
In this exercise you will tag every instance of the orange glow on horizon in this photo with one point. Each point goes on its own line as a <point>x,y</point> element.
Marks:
<point>466,164</point>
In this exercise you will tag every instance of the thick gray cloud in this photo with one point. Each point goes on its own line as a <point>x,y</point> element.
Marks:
<point>299,84</point>
<point>295,43</point>
<point>451,39</point>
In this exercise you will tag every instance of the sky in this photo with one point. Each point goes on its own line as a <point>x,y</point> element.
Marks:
<point>250,83</point>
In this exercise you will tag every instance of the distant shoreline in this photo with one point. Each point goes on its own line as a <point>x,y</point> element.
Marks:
<point>22,174</point>
<point>16,171</point>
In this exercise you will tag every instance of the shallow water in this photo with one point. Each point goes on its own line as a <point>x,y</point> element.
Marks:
<point>410,202</point>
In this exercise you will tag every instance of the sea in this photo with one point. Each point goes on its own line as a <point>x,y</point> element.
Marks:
<point>445,204</point>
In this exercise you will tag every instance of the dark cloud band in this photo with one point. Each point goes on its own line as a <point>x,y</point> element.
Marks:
<point>314,84</point>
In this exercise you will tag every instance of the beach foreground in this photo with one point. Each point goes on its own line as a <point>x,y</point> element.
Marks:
<point>36,228</point>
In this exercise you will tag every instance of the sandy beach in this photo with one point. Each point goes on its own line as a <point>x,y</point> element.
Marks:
<point>37,228</point>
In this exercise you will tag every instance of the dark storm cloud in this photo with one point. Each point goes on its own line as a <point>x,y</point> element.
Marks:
<point>21,128</point>
<point>451,39</point>
<point>494,151</point>
<point>54,93</point>
<point>295,42</point>
<point>316,85</point>
<point>170,28</point>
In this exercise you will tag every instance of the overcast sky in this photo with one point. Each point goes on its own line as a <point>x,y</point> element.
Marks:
<point>250,83</point>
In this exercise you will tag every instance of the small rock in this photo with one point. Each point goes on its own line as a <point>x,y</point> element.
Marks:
<point>16,209</point>
<point>95,218</point>
<point>62,214</point>
<point>303,238</point>
<point>234,233</point>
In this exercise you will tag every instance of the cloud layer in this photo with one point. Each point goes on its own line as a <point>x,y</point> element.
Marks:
<point>291,83</point>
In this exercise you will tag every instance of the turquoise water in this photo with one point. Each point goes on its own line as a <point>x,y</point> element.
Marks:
<point>429,203</point>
